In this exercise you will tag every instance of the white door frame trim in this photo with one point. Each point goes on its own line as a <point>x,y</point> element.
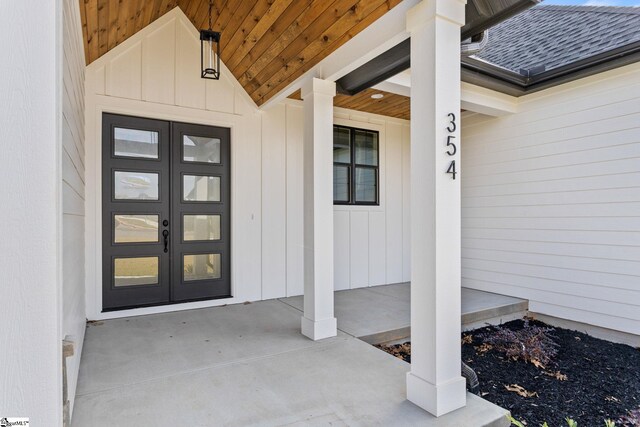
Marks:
<point>95,106</point>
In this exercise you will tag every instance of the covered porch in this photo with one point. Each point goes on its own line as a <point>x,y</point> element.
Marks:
<point>248,364</point>
<point>532,192</point>
<point>160,355</point>
<point>278,233</point>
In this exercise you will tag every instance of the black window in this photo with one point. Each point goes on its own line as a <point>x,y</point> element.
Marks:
<point>355,166</point>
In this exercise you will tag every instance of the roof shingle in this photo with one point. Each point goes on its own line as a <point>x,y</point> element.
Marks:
<point>554,36</point>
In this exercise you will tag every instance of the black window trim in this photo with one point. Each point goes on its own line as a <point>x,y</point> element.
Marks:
<point>352,168</point>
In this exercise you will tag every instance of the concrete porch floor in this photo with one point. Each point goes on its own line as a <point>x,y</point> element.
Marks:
<point>248,364</point>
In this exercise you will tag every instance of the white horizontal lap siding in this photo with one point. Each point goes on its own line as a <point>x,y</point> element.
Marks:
<point>551,201</point>
<point>30,172</point>
<point>73,189</point>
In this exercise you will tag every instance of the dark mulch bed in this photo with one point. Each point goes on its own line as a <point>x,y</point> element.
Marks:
<point>602,378</point>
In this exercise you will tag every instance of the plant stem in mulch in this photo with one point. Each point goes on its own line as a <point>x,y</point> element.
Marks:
<point>589,379</point>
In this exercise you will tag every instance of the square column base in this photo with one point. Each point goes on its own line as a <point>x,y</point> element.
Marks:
<point>437,400</point>
<point>319,329</point>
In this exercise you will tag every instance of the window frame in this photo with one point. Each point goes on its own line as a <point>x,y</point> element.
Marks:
<point>352,165</point>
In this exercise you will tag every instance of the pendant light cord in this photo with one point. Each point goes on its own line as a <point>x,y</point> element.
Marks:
<point>210,7</point>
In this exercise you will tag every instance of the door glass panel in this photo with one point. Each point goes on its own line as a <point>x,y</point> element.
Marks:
<point>340,183</point>
<point>135,143</point>
<point>201,227</point>
<point>366,185</point>
<point>135,228</point>
<point>201,267</point>
<point>135,271</point>
<point>341,145</point>
<point>135,185</point>
<point>201,188</point>
<point>366,146</point>
<point>200,149</point>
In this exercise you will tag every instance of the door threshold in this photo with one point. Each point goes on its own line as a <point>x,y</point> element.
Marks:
<point>161,304</point>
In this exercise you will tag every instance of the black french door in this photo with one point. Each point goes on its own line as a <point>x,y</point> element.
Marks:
<point>165,212</point>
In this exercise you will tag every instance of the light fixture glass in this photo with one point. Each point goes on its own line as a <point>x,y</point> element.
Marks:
<point>377,96</point>
<point>210,51</point>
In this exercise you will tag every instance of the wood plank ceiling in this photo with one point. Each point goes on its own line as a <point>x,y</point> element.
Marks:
<point>266,44</point>
<point>390,104</point>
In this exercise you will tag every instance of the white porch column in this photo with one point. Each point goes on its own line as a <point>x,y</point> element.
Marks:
<point>435,383</point>
<point>318,321</point>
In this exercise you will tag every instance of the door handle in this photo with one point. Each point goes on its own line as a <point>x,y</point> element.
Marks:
<point>165,234</point>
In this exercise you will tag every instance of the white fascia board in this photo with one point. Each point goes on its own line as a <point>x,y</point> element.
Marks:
<point>403,78</point>
<point>386,32</point>
<point>400,84</point>
<point>377,38</point>
<point>472,98</point>
<point>396,88</point>
<point>487,101</point>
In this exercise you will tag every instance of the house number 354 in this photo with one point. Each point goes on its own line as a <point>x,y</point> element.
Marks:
<point>451,147</point>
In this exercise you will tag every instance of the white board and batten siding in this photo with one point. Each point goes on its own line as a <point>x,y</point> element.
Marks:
<point>155,74</point>
<point>368,240</point>
<point>551,201</point>
<point>371,243</point>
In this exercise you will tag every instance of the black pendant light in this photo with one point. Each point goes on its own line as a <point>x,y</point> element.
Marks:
<point>210,51</point>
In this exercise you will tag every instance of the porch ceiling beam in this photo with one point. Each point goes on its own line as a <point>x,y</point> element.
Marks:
<point>377,70</point>
<point>480,15</point>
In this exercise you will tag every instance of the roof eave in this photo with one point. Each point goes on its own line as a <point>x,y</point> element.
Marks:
<point>483,21</point>
<point>492,77</point>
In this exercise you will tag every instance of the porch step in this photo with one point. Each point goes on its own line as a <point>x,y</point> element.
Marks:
<point>479,309</point>
<point>382,313</point>
<point>395,336</point>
